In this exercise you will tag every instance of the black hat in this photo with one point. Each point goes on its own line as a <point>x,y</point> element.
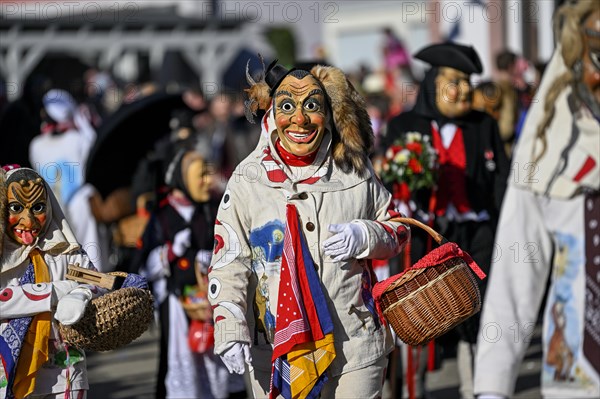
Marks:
<point>275,74</point>
<point>452,55</point>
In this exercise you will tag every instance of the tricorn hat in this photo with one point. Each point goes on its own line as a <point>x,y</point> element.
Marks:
<point>452,55</point>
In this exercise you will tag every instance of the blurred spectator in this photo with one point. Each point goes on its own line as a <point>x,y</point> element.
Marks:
<point>20,122</point>
<point>244,135</point>
<point>540,67</point>
<point>471,178</point>
<point>59,155</point>
<point>487,97</point>
<point>97,85</point>
<point>516,93</point>
<point>551,213</point>
<point>395,56</point>
<point>377,107</point>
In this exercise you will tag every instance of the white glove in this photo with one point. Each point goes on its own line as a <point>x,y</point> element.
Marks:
<point>182,241</point>
<point>351,240</point>
<point>62,288</point>
<point>235,356</point>
<point>203,258</point>
<point>71,307</point>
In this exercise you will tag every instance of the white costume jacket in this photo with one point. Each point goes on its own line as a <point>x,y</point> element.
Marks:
<point>31,299</point>
<point>249,231</point>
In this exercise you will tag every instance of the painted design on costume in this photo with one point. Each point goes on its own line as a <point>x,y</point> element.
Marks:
<point>267,247</point>
<point>276,174</point>
<point>37,292</point>
<point>3,378</point>
<point>274,171</point>
<point>563,338</point>
<point>214,288</point>
<point>59,358</point>
<point>230,251</point>
<point>6,294</point>
<point>234,309</point>
<point>226,201</point>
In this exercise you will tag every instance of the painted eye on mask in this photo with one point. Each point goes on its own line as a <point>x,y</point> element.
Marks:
<point>287,106</point>
<point>40,207</point>
<point>15,207</point>
<point>312,105</point>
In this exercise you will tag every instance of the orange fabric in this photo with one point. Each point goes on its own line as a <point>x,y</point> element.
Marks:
<point>34,352</point>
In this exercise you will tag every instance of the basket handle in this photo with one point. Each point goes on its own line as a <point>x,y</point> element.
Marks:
<point>440,239</point>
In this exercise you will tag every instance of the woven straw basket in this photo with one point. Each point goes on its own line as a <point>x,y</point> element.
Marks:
<point>111,320</point>
<point>428,300</point>
<point>200,310</point>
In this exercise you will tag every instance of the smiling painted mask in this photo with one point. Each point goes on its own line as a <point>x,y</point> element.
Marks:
<point>27,210</point>
<point>300,113</point>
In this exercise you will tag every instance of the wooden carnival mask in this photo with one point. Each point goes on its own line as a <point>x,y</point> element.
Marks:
<point>27,210</point>
<point>197,177</point>
<point>453,92</point>
<point>300,114</point>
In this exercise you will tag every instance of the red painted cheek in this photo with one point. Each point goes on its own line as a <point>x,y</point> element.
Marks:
<point>13,220</point>
<point>42,220</point>
<point>318,120</point>
<point>282,122</point>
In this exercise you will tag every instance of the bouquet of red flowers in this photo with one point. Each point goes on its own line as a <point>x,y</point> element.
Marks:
<point>410,164</point>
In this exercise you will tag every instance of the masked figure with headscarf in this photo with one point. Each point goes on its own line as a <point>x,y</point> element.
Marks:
<point>472,171</point>
<point>34,296</point>
<point>550,214</point>
<point>177,240</point>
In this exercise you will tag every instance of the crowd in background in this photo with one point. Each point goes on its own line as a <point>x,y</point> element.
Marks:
<point>49,125</point>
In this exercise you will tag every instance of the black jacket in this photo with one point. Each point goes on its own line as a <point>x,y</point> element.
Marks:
<point>486,181</point>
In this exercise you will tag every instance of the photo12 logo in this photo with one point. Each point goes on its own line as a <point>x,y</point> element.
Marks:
<point>271,11</point>
<point>71,11</point>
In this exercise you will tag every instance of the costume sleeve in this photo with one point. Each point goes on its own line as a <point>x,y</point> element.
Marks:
<point>386,238</point>
<point>157,265</point>
<point>25,300</point>
<point>230,269</point>
<point>513,296</point>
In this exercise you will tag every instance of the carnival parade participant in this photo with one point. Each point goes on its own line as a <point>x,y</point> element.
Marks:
<point>59,155</point>
<point>472,172</point>
<point>290,281</point>
<point>551,213</point>
<point>38,246</point>
<point>177,240</point>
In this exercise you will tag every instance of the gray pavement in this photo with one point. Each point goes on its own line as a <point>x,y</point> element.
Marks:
<point>130,372</point>
<point>125,373</point>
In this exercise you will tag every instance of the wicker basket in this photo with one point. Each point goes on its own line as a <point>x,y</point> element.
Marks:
<point>198,311</point>
<point>111,320</point>
<point>428,300</point>
<point>201,311</point>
